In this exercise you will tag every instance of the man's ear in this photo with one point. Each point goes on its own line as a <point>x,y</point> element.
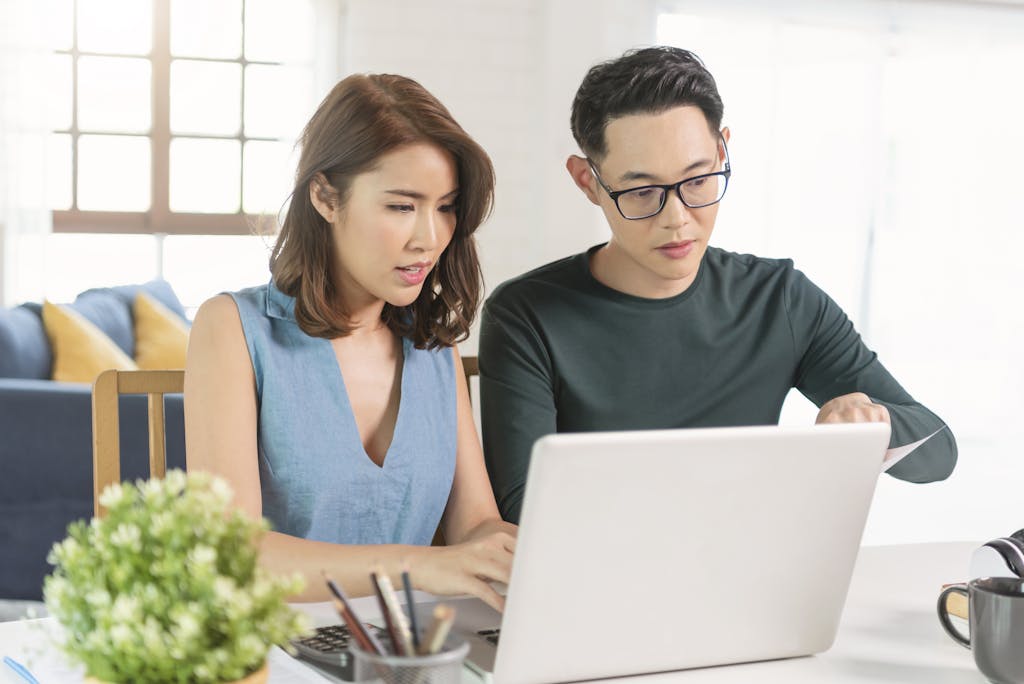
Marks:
<point>322,195</point>
<point>725,137</point>
<point>581,174</point>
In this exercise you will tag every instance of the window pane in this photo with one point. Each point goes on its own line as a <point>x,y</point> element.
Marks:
<point>278,31</point>
<point>206,97</point>
<point>123,27</point>
<point>267,177</point>
<point>201,266</point>
<point>278,100</point>
<point>205,175</point>
<point>77,261</point>
<point>58,171</point>
<point>60,92</point>
<point>200,28</point>
<point>59,24</point>
<point>113,173</point>
<point>114,94</point>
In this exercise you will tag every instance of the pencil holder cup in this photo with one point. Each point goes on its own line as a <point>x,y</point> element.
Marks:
<point>443,667</point>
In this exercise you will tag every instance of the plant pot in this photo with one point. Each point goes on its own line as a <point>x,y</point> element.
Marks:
<point>257,677</point>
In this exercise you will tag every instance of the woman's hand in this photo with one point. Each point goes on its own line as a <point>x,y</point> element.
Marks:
<point>470,566</point>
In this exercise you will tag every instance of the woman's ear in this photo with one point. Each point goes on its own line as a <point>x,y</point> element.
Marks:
<point>322,195</point>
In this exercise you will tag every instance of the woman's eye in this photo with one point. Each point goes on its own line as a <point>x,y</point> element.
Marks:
<point>404,208</point>
<point>448,208</point>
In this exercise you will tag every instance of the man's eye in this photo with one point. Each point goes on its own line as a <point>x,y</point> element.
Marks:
<point>643,193</point>
<point>696,183</point>
<point>403,208</point>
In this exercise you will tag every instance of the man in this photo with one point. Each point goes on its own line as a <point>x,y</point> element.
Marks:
<point>655,328</point>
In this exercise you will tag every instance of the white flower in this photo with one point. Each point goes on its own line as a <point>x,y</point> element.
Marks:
<point>186,626</point>
<point>125,609</point>
<point>225,589</point>
<point>221,490</point>
<point>202,555</point>
<point>121,635</point>
<point>175,481</point>
<point>128,536</point>
<point>98,598</point>
<point>112,495</point>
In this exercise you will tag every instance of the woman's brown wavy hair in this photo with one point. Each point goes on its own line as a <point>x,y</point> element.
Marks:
<point>364,117</point>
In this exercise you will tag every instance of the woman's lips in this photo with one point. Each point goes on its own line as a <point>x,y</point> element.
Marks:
<point>413,275</point>
<point>677,250</point>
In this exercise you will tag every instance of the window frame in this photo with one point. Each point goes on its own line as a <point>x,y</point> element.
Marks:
<point>159,219</point>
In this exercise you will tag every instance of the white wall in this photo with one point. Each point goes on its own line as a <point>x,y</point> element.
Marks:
<point>507,70</point>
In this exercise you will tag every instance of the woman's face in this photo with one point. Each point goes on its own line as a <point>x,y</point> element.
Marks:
<point>394,225</point>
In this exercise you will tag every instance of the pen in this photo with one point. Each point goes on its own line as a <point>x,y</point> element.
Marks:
<point>367,641</point>
<point>20,670</point>
<point>397,626</point>
<point>413,627</point>
<point>443,617</point>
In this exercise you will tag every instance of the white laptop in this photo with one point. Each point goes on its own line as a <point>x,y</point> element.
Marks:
<point>663,550</point>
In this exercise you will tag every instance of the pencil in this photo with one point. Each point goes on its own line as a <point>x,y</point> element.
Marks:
<point>367,641</point>
<point>398,628</point>
<point>411,606</point>
<point>444,615</point>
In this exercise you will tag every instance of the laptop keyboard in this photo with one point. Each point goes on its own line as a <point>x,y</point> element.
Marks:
<point>491,635</point>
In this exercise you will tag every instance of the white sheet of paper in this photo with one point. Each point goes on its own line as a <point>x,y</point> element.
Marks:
<point>894,456</point>
<point>287,670</point>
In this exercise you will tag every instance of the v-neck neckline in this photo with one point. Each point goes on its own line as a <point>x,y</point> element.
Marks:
<point>396,433</point>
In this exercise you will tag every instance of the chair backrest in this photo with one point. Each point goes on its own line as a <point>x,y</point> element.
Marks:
<point>470,367</point>
<point>106,438</point>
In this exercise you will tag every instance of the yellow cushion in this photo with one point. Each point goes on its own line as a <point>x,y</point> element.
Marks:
<point>81,351</point>
<point>161,337</point>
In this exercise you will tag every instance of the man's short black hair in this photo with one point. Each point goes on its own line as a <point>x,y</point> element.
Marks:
<point>642,81</point>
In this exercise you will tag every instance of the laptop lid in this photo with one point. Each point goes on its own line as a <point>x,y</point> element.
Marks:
<point>660,550</point>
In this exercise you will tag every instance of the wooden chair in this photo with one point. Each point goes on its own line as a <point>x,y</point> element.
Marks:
<point>106,438</point>
<point>470,367</point>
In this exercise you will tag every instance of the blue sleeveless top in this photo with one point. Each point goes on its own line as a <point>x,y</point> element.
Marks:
<point>316,478</point>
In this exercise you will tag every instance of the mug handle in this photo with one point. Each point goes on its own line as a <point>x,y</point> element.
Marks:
<point>952,631</point>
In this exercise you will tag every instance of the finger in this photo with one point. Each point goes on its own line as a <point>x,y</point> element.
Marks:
<point>486,593</point>
<point>495,570</point>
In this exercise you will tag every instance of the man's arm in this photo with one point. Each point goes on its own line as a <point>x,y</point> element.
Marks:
<point>835,362</point>
<point>517,403</point>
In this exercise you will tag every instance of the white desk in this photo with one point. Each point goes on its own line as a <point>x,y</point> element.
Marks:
<point>889,631</point>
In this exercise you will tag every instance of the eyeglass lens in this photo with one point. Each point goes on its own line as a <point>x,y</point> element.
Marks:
<point>698,192</point>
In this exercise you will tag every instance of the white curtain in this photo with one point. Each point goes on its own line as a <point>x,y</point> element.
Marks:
<point>25,217</point>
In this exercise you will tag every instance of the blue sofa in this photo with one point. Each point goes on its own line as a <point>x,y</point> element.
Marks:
<point>46,433</point>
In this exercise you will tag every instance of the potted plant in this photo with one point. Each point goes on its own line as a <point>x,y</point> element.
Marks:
<point>167,587</point>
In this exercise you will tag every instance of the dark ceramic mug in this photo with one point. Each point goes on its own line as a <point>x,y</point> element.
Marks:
<point>996,610</point>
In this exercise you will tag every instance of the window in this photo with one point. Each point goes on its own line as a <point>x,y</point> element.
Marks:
<point>878,144</point>
<point>177,116</point>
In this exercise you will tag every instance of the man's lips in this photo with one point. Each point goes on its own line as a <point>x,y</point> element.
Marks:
<point>677,250</point>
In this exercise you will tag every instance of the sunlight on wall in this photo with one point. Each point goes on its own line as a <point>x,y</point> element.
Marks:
<point>878,145</point>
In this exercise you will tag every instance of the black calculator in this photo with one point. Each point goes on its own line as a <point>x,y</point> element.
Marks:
<point>328,646</point>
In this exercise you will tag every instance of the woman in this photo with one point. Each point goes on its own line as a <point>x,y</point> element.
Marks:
<point>333,399</point>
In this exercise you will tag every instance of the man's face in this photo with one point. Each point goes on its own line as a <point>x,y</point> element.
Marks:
<point>657,256</point>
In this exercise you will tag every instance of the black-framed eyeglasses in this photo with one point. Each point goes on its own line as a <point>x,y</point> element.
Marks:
<point>648,200</point>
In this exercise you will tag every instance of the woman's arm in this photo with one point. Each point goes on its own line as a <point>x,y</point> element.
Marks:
<point>221,438</point>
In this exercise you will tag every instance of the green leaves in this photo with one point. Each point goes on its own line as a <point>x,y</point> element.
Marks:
<point>167,587</point>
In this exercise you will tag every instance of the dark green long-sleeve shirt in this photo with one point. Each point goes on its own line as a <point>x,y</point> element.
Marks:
<point>560,352</point>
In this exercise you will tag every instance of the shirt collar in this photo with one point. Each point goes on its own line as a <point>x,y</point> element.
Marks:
<point>279,305</point>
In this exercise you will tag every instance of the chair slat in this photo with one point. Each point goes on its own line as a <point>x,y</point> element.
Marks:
<point>106,440</point>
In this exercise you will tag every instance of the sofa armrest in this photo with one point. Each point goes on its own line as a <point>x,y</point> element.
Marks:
<point>46,459</point>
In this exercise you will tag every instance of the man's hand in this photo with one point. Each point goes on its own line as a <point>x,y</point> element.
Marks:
<point>852,408</point>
